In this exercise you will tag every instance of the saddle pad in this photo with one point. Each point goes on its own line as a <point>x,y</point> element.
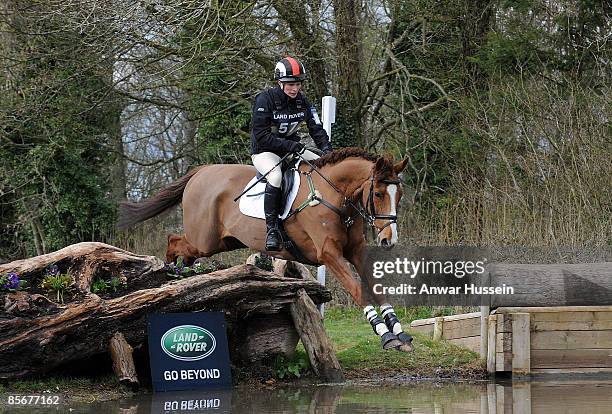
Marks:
<point>252,203</point>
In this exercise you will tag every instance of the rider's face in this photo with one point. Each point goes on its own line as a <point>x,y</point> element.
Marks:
<point>291,88</point>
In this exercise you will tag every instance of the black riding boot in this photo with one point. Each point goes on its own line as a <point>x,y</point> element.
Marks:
<point>271,207</point>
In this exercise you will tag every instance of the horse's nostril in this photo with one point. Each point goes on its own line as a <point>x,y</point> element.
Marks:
<point>385,242</point>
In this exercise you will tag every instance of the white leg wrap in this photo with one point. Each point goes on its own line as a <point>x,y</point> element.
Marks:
<point>381,329</point>
<point>387,309</point>
<point>377,323</point>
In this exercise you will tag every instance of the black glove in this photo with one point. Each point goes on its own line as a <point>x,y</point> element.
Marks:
<point>297,147</point>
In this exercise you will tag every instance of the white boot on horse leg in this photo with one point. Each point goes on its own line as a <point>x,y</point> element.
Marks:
<point>387,338</point>
<point>394,325</point>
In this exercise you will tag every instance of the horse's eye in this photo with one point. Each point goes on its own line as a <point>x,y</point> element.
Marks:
<point>379,195</point>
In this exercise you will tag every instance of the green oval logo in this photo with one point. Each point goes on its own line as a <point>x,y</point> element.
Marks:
<point>188,343</point>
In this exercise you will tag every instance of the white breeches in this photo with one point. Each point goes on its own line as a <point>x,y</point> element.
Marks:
<point>265,161</point>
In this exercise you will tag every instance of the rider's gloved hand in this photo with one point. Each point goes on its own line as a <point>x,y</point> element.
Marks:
<point>297,147</point>
<point>327,149</point>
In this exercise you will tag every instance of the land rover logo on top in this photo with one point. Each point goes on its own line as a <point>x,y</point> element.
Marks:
<point>188,343</point>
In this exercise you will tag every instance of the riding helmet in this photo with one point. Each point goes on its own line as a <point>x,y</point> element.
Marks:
<point>289,70</point>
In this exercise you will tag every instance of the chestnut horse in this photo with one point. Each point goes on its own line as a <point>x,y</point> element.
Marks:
<point>356,189</point>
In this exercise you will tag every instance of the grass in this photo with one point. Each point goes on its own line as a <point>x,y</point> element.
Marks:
<point>359,350</point>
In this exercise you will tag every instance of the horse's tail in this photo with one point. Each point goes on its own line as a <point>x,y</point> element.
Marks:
<point>132,213</point>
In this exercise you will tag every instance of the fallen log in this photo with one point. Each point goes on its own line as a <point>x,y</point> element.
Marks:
<point>38,339</point>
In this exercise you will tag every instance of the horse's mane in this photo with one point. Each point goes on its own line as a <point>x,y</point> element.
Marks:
<point>344,153</point>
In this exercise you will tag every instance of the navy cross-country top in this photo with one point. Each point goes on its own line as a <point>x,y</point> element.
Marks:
<point>276,119</point>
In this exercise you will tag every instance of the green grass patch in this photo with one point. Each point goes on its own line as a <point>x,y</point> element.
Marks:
<point>357,347</point>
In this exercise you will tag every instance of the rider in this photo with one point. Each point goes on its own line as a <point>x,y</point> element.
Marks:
<point>277,115</point>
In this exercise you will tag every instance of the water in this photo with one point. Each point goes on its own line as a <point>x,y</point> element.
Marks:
<point>558,397</point>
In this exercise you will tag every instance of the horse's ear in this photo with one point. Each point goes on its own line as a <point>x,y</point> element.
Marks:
<point>380,163</point>
<point>399,167</point>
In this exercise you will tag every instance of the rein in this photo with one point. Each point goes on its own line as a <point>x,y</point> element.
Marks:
<point>368,213</point>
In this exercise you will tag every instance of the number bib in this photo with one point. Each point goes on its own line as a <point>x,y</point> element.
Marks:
<point>287,122</point>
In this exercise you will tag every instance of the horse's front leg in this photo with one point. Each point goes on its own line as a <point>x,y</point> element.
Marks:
<point>331,256</point>
<point>355,254</point>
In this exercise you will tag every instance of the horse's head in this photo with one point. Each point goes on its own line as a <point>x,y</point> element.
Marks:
<point>382,196</point>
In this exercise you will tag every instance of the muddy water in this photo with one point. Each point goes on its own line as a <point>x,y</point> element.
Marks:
<point>578,396</point>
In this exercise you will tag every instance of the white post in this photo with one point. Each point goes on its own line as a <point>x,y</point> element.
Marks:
<point>328,114</point>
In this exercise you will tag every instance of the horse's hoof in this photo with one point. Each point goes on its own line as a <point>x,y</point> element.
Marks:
<point>405,347</point>
<point>389,341</point>
<point>404,337</point>
<point>406,340</point>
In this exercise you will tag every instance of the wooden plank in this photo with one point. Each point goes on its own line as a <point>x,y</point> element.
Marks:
<point>461,316</point>
<point>422,322</point>
<point>307,320</point>
<point>503,361</point>
<point>503,342</point>
<point>423,329</point>
<point>551,309</point>
<point>461,328</point>
<point>571,358</point>
<point>471,343</point>
<point>438,331</point>
<point>520,345</point>
<point>574,316</point>
<point>491,345</point>
<point>571,340</point>
<point>504,323</point>
<point>542,326</point>
<point>458,317</point>
<point>484,327</point>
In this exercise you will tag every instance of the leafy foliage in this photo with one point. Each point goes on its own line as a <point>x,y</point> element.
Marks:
<point>57,282</point>
<point>285,368</point>
<point>57,119</point>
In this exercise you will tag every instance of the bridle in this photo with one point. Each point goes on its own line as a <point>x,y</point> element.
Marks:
<point>371,207</point>
<point>367,212</point>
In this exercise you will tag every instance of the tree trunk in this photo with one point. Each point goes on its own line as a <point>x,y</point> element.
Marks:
<point>306,33</point>
<point>348,129</point>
